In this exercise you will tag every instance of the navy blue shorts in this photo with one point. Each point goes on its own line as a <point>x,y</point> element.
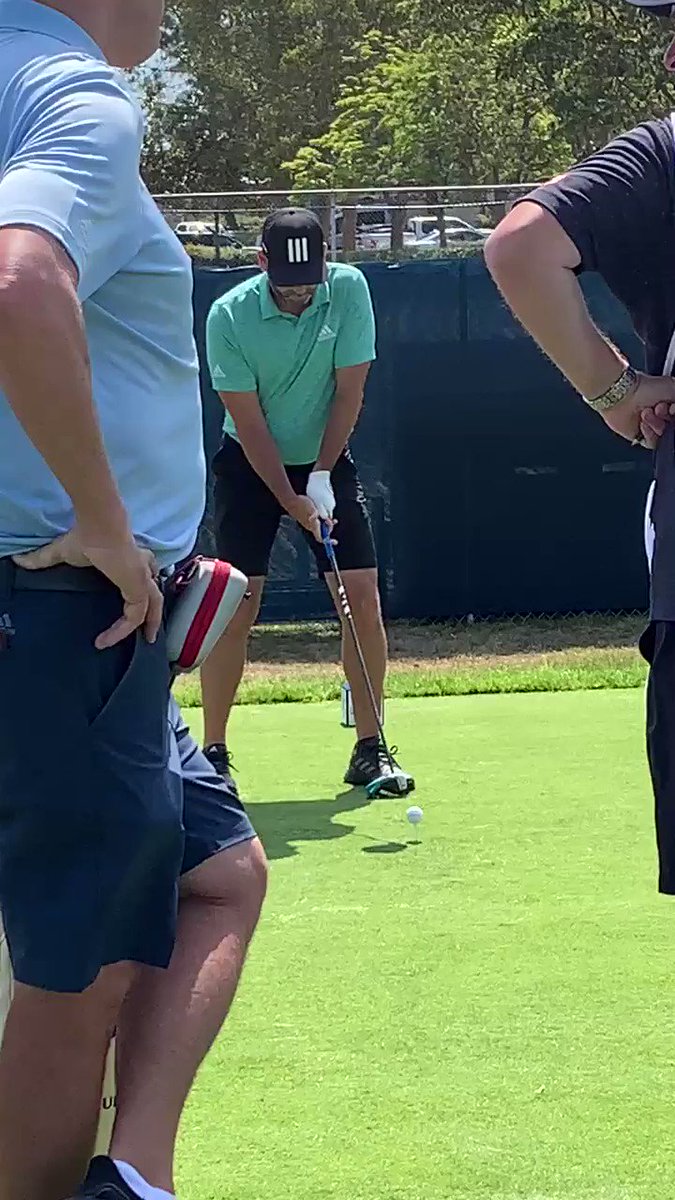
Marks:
<point>105,799</point>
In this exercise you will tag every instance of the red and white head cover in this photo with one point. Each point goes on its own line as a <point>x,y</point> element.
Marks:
<point>205,595</point>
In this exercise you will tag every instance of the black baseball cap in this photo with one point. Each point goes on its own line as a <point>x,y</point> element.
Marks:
<point>292,240</point>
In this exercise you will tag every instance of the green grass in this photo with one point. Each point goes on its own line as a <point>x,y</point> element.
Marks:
<point>585,671</point>
<point>487,1015</point>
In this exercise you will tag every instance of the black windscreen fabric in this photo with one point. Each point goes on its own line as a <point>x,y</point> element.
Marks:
<point>493,489</point>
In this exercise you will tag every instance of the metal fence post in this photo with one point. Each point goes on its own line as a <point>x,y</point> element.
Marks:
<point>216,235</point>
<point>333,228</point>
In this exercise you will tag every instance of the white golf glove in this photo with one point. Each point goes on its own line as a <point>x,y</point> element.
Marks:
<point>320,492</point>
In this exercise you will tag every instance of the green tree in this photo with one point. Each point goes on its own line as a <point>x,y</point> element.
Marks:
<point>599,64</point>
<point>258,79</point>
<point>435,111</point>
<point>497,92</point>
<point>344,92</point>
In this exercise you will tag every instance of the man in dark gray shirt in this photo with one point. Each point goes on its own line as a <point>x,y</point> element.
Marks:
<point>615,214</point>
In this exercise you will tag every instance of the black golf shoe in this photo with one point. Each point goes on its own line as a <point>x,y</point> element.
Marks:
<point>369,762</point>
<point>220,758</point>
<point>104,1182</point>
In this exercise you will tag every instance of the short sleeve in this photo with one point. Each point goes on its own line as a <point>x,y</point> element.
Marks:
<point>229,369</point>
<point>355,343</point>
<point>72,167</point>
<point>617,205</point>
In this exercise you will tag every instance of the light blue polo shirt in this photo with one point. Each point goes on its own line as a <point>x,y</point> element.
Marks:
<point>70,144</point>
<point>290,362</point>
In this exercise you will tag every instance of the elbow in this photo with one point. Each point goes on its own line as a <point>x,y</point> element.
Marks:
<point>30,297</point>
<point>14,290</point>
<point>508,251</point>
<point>529,244</point>
<point>18,309</point>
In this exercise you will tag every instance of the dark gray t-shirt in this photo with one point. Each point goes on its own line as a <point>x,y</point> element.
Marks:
<point>618,207</point>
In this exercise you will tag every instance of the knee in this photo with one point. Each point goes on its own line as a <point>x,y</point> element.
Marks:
<point>239,628</point>
<point>252,886</point>
<point>235,878</point>
<point>247,614</point>
<point>364,600</point>
<point>90,1016</point>
<point>102,1001</point>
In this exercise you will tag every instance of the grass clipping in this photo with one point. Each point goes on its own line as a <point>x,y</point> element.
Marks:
<point>300,663</point>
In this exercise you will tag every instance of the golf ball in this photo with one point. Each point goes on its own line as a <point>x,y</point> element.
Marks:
<point>415,814</point>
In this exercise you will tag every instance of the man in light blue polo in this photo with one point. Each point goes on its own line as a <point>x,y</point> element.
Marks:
<point>104,805</point>
<point>290,351</point>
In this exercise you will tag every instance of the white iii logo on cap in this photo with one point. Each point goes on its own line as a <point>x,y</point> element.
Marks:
<point>298,250</point>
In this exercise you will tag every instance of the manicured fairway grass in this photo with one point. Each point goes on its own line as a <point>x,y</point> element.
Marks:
<point>487,1014</point>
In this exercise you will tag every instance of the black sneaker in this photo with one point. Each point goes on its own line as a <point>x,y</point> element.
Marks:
<point>369,762</point>
<point>104,1182</point>
<point>220,758</point>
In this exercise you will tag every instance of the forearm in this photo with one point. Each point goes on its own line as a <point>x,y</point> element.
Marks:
<point>546,298</point>
<point>343,417</point>
<point>262,453</point>
<point>44,373</point>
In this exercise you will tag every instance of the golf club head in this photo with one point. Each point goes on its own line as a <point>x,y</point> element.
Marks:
<point>398,784</point>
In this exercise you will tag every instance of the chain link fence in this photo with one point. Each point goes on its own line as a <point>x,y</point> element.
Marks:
<point>226,226</point>
<point>492,490</point>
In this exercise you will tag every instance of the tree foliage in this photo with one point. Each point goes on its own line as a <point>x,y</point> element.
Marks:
<point>340,93</point>
<point>258,79</point>
<point>511,93</point>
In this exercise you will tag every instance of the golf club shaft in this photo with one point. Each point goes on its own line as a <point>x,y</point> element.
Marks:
<point>349,618</point>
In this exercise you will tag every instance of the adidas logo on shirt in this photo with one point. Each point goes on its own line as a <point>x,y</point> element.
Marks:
<point>327,334</point>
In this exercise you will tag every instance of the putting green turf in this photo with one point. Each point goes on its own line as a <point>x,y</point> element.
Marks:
<point>488,1014</point>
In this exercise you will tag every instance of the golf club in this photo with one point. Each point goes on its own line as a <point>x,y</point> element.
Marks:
<point>404,783</point>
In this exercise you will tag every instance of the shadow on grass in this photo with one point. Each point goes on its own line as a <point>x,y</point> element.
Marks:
<point>385,848</point>
<point>283,825</point>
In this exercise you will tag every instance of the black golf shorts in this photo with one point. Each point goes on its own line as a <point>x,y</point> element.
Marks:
<point>247,514</point>
<point>658,647</point>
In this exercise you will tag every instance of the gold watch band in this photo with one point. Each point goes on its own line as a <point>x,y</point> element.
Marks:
<point>624,385</point>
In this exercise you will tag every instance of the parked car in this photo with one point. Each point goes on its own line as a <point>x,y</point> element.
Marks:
<point>456,230</point>
<point>203,233</point>
<point>378,237</point>
<point>420,231</point>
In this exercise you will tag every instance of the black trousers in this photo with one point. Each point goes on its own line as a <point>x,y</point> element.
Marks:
<point>658,647</point>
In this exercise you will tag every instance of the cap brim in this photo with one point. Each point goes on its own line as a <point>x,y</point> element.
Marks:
<point>297,275</point>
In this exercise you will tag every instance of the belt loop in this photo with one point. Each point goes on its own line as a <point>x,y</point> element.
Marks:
<point>7,576</point>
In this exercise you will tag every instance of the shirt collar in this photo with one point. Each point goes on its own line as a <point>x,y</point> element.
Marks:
<point>32,17</point>
<point>269,308</point>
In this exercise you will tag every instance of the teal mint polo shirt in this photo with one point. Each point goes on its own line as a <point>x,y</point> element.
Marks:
<point>290,362</point>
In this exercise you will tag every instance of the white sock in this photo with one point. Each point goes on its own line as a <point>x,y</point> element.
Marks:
<point>137,1183</point>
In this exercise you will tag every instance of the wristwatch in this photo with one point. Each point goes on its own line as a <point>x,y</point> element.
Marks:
<point>624,385</point>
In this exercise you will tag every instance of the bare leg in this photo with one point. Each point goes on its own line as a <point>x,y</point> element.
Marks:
<point>51,1072</point>
<point>364,600</point>
<point>171,1018</point>
<point>222,671</point>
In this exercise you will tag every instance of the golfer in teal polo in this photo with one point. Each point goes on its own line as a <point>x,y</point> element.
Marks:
<point>289,353</point>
